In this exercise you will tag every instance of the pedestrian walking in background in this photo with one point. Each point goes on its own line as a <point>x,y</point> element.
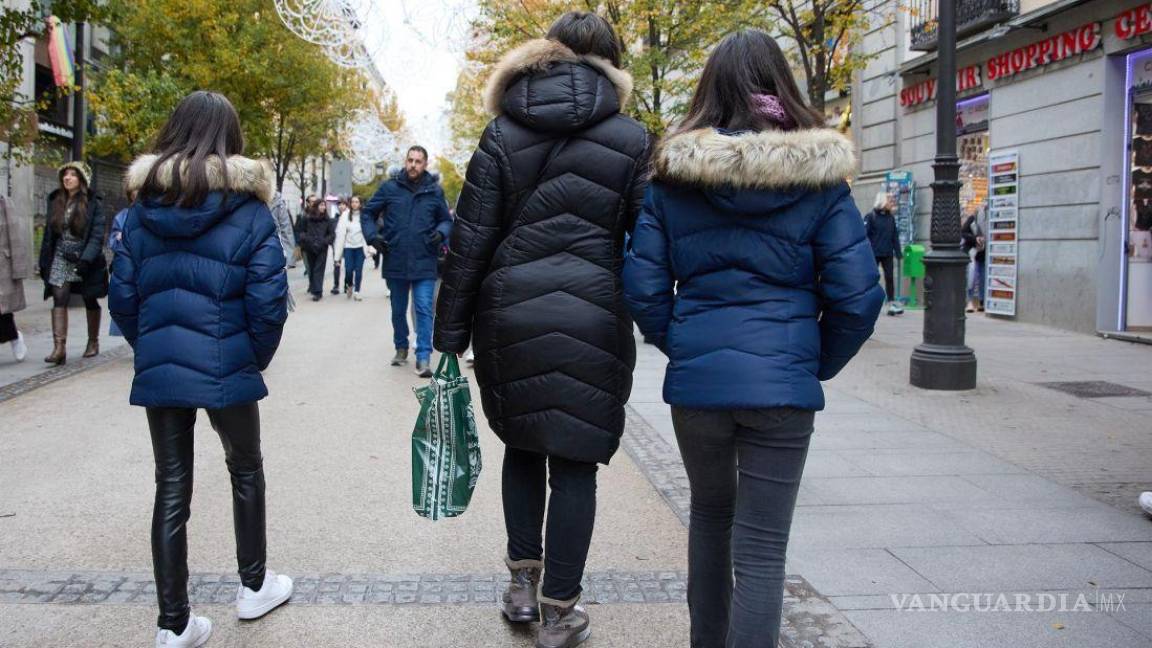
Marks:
<point>406,221</point>
<point>884,237</point>
<point>351,247</point>
<point>531,281</point>
<point>751,270</point>
<point>14,268</point>
<point>72,257</point>
<point>316,237</point>
<point>974,233</point>
<point>200,292</point>
<point>287,236</point>
<point>337,260</point>
<point>298,229</point>
<point>116,246</point>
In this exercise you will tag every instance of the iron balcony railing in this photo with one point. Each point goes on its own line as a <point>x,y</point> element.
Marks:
<point>971,16</point>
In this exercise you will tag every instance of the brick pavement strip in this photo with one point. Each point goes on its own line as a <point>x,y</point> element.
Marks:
<point>138,588</point>
<point>78,365</point>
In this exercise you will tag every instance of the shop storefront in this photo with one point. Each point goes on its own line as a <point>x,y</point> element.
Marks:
<point>1054,136</point>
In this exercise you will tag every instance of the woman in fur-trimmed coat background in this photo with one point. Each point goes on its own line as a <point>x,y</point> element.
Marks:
<point>532,282</point>
<point>751,270</point>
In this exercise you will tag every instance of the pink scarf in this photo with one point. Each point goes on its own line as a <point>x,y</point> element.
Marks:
<point>770,107</point>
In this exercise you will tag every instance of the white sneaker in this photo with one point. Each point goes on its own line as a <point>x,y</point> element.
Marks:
<point>894,308</point>
<point>356,296</point>
<point>1146,502</point>
<point>19,349</point>
<point>196,634</point>
<point>274,592</point>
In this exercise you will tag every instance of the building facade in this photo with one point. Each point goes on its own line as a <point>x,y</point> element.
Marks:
<point>1054,135</point>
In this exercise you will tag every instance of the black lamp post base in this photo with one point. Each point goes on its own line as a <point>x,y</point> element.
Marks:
<point>946,368</point>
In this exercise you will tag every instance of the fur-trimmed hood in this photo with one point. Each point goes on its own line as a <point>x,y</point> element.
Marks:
<point>529,65</point>
<point>802,159</point>
<point>245,175</point>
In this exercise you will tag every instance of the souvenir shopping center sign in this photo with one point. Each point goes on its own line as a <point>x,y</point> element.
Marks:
<point>1002,249</point>
<point>1052,49</point>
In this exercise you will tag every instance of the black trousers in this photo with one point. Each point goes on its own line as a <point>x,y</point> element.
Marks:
<point>336,262</point>
<point>744,469</point>
<point>571,516</point>
<point>172,436</point>
<point>886,265</point>
<point>8,330</point>
<point>315,261</point>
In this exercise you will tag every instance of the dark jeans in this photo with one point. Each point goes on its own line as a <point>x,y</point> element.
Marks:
<point>571,516</point>
<point>353,267</point>
<point>886,265</point>
<point>315,263</point>
<point>8,330</point>
<point>744,469</point>
<point>61,295</point>
<point>239,430</point>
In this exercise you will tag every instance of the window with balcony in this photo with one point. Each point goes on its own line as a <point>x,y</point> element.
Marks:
<point>971,16</point>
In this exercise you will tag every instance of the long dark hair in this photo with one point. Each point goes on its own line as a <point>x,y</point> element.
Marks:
<point>203,125</point>
<point>585,32</point>
<point>61,203</point>
<point>744,64</point>
<point>350,210</point>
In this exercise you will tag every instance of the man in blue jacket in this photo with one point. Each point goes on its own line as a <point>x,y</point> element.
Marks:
<point>407,220</point>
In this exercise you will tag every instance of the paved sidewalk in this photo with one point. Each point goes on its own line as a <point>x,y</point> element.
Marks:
<point>1012,488</point>
<point>35,323</point>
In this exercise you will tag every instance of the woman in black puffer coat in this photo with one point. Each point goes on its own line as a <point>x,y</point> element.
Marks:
<point>532,280</point>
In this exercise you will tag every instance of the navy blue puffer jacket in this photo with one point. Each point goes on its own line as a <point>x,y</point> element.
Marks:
<point>201,293</point>
<point>750,268</point>
<point>412,217</point>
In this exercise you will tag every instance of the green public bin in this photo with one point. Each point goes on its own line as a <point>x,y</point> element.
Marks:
<point>913,270</point>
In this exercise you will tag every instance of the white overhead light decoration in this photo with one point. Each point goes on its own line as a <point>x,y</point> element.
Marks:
<point>444,24</point>
<point>337,26</point>
<point>369,140</point>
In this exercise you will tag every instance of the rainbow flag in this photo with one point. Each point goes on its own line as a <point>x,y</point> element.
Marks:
<point>60,52</point>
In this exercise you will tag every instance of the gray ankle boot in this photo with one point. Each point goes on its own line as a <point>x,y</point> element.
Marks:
<point>563,624</point>
<point>520,605</point>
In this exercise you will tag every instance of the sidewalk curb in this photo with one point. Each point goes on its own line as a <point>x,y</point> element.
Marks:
<point>55,374</point>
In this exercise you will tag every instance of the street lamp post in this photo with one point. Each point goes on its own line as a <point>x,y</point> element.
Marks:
<point>942,361</point>
<point>79,115</point>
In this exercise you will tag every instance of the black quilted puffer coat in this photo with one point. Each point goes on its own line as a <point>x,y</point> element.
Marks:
<point>532,277</point>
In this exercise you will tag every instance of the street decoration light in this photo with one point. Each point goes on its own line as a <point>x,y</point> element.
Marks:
<point>335,25</point>
<point>943,361</point>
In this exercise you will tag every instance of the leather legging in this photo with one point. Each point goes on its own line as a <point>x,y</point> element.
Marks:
<point>172,445</point>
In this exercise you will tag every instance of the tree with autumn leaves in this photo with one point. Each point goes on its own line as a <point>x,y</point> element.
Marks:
<point>291,99</point>
<point>20,21</point>
<point>666,43</point>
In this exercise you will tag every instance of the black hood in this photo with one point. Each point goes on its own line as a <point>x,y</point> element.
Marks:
<point>546,87</point>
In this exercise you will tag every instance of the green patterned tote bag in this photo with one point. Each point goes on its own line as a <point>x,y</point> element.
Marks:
<point>445,446</point>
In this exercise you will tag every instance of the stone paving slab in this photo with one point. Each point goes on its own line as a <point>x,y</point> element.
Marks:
<point>897,629</point>
<point>877,527</point>
<point>1138,553</point>
<point>1041,567</point>
<point>855,572</point>
<point>1052,525</point>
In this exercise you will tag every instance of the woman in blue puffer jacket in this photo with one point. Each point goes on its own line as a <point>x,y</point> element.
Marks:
<point>749,267</point>
<point>200,292</point>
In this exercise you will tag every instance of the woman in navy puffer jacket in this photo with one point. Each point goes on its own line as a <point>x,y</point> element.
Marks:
<point>200,292</point>
<point>750,269</point>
